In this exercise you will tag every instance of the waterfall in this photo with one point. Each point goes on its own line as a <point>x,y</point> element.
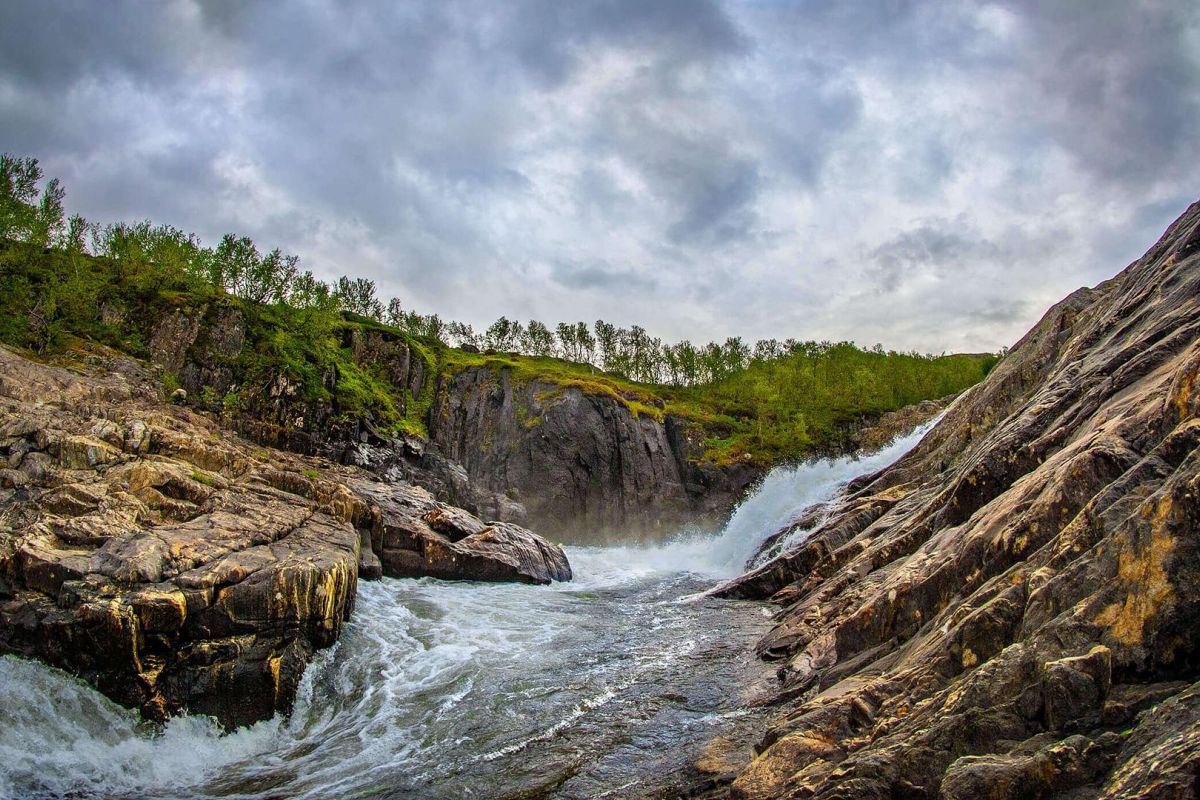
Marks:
<point>782,495</point>
<point>442,689</point>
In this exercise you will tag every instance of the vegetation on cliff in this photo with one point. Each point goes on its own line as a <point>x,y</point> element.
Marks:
<point>64,277</point>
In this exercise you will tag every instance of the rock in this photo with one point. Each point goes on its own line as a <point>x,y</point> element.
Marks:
<point>1073,689</point>
<point>970,620</point>
<point>84,452</point>
<point>38,468</point>
<point>137,437</point>
<point>1157,760</point>
<point>370,568</point>
<point>175,566</point>
<point>416,536</point>
<point>581,464</point>
<point>13,479</point>
<point>172,336</point>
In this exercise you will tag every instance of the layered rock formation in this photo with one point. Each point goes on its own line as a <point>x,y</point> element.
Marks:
<point>582,463</point>
<point>201,348</point>
<point>175,566</point>
<point>1012,610</point>
<point>416,536</point>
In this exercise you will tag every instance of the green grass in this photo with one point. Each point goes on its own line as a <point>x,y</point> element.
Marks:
<point>775,410</point>
<point>201,477</point>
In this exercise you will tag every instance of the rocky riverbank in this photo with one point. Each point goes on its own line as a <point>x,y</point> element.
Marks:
<point>1010,610</point>
<point>177,567</point>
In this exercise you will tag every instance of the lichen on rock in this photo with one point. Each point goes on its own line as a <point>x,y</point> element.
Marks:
<point>982,617</point>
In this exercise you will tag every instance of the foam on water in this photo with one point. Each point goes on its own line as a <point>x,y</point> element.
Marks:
<point>61,736</point>
<point>782,495</point>
<point>442,689</point>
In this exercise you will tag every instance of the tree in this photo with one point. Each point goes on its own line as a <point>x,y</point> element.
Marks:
<point>48,225</point>
<point>19,178</point>
<point>233,260</point>
<point>606,341</point>
<point>357,296</point>
<point>434,328</point>
<point>538,340</point>
<point>308,292</point>
<point>503,335</point>
<point>462,335</point>
<point>394,315</point>
<point>737,354</point>
<point>767,349</point>
<point>585,343</point>
<point>689,362</point>
<point>269,277</point>
<point>75,241</point>
<point>566,341</point>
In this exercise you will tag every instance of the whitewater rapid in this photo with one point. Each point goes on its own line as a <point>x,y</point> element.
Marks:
<point>604,686</point>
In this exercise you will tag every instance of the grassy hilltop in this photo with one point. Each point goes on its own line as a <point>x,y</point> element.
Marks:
<point>775,401</point>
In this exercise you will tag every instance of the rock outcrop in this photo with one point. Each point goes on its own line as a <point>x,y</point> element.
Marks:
<point>1012,610</point>
<point>416,536</point>
<point>582,464</point>
<point>177,567</point>
<point>552,456</point>
<point>202,349</point>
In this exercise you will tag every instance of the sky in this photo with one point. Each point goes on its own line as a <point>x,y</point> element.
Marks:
<point>929,176</point>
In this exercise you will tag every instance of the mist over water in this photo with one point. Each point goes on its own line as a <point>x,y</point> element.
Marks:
<point>607,686</point>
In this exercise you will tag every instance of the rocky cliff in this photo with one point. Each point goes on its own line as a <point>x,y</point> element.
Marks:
<point>177,567</point>
<point>583,465</point>
<point>572,464</point>
<point>1011,610</point>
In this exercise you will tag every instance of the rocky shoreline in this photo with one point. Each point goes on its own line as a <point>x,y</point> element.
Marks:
<point>1010,611</point>
<point>177,567</point>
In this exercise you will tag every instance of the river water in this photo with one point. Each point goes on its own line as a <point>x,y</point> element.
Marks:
<point>606,686</point>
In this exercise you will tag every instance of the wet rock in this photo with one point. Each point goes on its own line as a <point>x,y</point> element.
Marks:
<point>417,536</point>
<point>370,568</point>
<point>175,566</point>
<point>971,621</point>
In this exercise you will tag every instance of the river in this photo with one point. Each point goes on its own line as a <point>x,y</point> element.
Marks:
<point>607,686</point>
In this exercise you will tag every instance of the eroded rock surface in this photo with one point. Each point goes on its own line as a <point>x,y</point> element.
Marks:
<point>1012,610</point>
<point>416,536</point>
<point>177,567</point>
<point>583,463</point>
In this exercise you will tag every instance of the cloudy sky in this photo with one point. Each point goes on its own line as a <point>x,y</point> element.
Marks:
<point>926,175</point>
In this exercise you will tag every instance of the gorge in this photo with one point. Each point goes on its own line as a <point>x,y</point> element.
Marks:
<point>599,400</point>
<point>999,603</point>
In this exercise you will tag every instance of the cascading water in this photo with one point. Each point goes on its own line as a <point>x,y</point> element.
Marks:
<point>606,686</point>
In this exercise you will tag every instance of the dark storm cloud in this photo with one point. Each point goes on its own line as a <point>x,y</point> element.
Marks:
<point>923,174</point>
<point>600,275</point>
<point>50,46</point>
<point>1118,83</point>
<point>940,246</point>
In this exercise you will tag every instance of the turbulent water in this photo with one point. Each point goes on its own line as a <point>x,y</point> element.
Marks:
<point>607,686</point>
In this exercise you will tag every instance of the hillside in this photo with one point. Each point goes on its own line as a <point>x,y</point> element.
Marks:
<point>782,407</point>
<point>1010,610</point>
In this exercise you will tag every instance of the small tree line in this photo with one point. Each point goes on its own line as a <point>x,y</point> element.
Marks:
<point>150,255</point>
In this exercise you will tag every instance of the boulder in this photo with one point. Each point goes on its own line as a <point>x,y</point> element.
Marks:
<point>416,536</point>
